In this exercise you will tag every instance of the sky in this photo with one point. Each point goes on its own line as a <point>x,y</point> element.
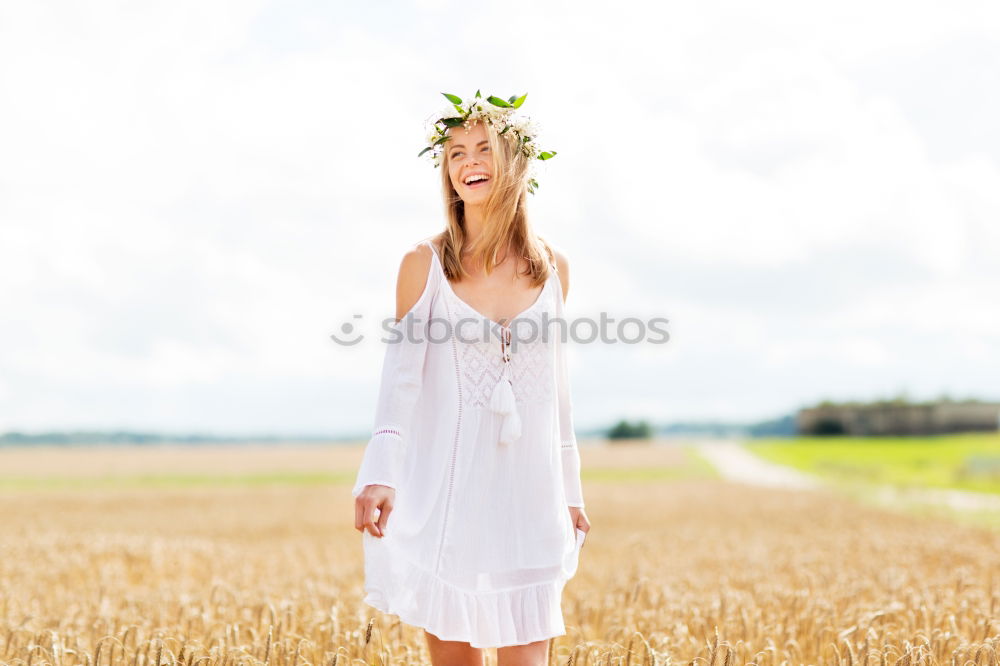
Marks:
<point>195,195</point>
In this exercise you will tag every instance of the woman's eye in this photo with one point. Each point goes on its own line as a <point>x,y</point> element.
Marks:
<point>454,155</point>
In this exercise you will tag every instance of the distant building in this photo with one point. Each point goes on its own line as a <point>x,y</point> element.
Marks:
<point>898,417</point>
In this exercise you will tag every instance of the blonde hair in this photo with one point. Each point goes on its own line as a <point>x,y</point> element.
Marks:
<point>505,212</point>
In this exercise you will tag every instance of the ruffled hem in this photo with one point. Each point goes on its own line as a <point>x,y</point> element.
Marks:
<point>484,619</point>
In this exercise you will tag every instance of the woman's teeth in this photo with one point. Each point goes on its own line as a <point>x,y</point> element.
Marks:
<point>477,180</point>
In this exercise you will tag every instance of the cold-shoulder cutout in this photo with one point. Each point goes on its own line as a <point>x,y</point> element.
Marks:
<point>413,280</point>
<point>562,264</point>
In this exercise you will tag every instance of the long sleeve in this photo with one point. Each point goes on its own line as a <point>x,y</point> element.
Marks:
<point>402,378</point>
<point>567,435</point>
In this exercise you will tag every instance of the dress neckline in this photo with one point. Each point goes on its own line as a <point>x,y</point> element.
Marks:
<point>447,283</point>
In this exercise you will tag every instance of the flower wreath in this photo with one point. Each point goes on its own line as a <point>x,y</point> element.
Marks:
<point>495,111</point>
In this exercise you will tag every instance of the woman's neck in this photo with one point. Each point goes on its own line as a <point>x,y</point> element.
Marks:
<point>475,223</point>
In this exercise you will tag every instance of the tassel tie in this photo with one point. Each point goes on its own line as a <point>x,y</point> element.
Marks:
<point>502,401</point>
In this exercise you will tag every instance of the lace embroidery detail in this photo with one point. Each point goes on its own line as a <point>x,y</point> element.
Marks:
<point>481,355</point>
<point>531,368</point>
<point>482,365</point>
<point>390,431</point>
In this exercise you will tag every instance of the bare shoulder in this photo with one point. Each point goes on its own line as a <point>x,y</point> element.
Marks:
<point>413,271</point>
<point>562,267</point>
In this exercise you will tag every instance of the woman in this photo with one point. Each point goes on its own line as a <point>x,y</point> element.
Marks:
<point>473,468</point>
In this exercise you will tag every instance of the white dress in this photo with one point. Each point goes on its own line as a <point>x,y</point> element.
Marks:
<point>474,431</point>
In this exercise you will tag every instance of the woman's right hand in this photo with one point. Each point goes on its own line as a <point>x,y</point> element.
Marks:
<point>373,496</point>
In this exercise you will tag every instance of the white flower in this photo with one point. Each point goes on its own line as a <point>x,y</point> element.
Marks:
<point>526,126</point>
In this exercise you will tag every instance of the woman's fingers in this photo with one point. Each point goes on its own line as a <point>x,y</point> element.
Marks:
<point>370,524</point>
<point>359,514</point>
<point>383,516</point>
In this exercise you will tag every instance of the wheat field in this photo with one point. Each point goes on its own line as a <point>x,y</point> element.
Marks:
<point>678,568</point>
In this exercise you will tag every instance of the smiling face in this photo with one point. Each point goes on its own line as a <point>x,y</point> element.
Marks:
<point>470,162</point>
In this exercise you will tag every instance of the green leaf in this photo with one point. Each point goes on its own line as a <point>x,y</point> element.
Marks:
<point>453,98</point>
<point>458,108</point>
<point>505,128</point>
<point>423,151</point>
<point>441,140</point>
<point>512,98</point>
<point>545,154</point>
<point>477,94</point>
<point>453,122</point>
<point>496,101</point>
<point>519,101</point>
<point>526,139</point>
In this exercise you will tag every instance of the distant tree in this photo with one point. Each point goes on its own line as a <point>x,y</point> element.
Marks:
<point>626,430</point>
<point>828,427</point>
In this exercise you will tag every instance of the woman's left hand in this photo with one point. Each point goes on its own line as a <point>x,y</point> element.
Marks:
<point>579,518</point>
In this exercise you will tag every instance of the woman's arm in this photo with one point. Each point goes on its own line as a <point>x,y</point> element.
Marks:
<point>569,451</point>
<point>402,372</point>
